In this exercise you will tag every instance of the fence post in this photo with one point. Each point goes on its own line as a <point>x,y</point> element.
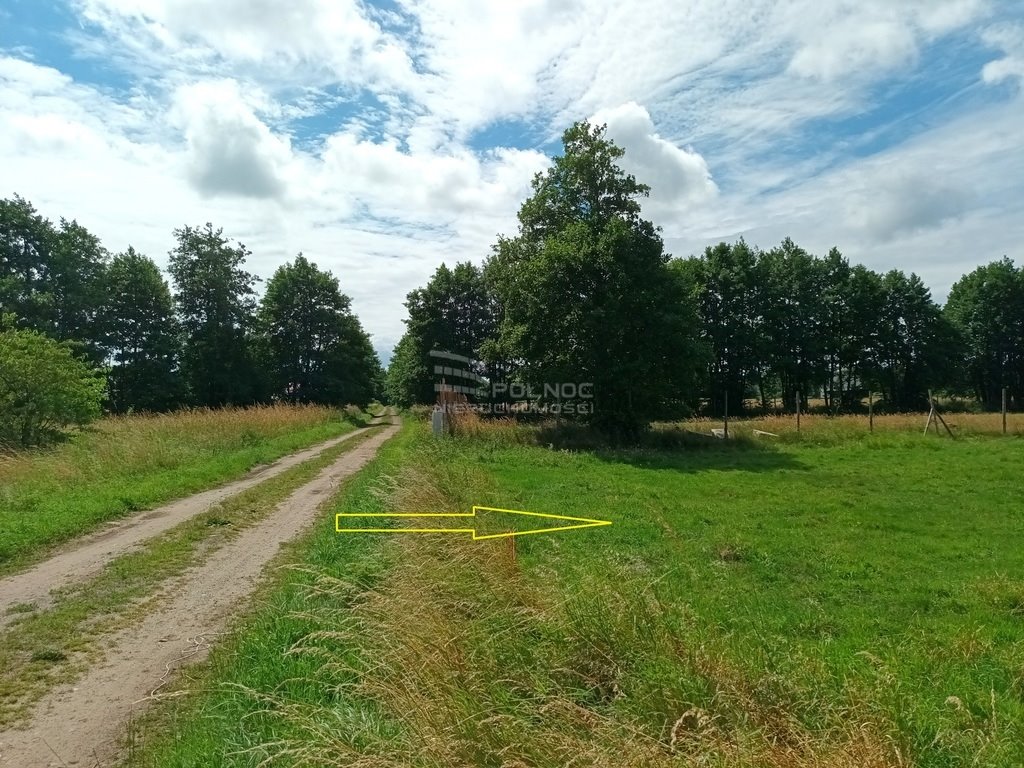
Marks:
<point>798,411</point>
<point>1004,410</point>
<point>871,411</point>
<point>726,414</point>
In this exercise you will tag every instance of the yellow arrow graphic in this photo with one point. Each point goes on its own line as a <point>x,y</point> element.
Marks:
<point>343,522</point>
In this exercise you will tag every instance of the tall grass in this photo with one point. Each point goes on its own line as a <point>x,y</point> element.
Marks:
<point>822,428</point>
<point>126,463</point>
<point>457,657</point>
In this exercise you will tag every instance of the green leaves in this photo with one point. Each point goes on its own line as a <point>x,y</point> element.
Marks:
<point>454,312</point>
<point>586,294</point>
<point>312,346</point>
<point>44,388</point>
<point>141,334</point>
<point>987,308</point>
<point>215,303</point>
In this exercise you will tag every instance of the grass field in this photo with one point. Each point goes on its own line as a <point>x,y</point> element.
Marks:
<point>842,602</point>
<point>128,463</point>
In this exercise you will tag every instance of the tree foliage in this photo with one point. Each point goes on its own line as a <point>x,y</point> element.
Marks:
<point>51,278</point>
<point>786,324</point>
<point>141,336</point>
<point>987,308</point>
<point>215,300</point>
<point>316,351</point>
<point>454,312</point>
<point>44,388</point>
<point>584,284</point>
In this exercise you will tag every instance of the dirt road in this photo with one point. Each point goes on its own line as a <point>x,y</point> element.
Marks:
<point>88,555</point>
<point>81,723</point>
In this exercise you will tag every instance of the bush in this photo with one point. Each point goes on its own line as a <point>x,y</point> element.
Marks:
<point>44,389</point>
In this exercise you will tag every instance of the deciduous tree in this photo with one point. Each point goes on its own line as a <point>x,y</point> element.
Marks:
<point>141,336</point>
<point>316,349</point>
<point>44,387</point>
<point>585,290</point>
<point>215,299</point>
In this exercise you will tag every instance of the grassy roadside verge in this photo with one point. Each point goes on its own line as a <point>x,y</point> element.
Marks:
<point>853,604</point>
<point>126,464</point>
<point>41,649</point>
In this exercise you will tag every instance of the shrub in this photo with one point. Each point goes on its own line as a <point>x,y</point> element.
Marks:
<point>44,388</point>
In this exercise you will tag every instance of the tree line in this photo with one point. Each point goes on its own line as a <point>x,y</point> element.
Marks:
<point>586,292</point>
<point>208,342</point>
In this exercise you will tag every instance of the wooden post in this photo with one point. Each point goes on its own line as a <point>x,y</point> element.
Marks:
<point>934,415</point>
<point>1004,410</point>
<point>798,411</point>
<point>871,411</point>
<point>726,414</point>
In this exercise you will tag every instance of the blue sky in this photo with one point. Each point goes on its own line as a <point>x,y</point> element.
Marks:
<point>381,139</point>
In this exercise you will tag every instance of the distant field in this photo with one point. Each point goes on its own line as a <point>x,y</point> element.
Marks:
<point>129,463</point>
<point>816,427</point>
<point>855,602</point>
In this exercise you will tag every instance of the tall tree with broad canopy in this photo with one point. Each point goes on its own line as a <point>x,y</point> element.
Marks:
<point>586,294</point>
<point>987,308</point>
<point>729,285</point>
<point>793,316</point>
<point>215,302</point>
<point>315,349</point>
<point>141,336</point>
<point>454,312</point>
<point>917,344</point>
<point>51,278</point>
<point>26,245</point>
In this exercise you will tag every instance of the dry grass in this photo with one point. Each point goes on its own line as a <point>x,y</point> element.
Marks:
<point>150,441</point>
<point>814,428</point>
<point>126,463</point>
<point>831,428</point>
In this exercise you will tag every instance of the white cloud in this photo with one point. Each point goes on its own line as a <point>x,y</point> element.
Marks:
<point>300,39</point>
<point>678,177</point>
<point>855,45</point>
<point>230,150</point>
<point>1010,39</point>
<point>869,37</point>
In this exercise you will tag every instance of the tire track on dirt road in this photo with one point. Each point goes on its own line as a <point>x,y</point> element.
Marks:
<point>88,555</point>
<point>81,723</point>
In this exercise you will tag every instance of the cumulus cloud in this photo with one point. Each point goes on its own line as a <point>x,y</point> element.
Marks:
<point>435,189</point>
<point>1009,39</point>
<point>904,202</point>
<point>677,176</point>
<point>230,150</point>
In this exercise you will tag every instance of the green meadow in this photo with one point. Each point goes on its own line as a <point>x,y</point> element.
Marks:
<point>851,602</point>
